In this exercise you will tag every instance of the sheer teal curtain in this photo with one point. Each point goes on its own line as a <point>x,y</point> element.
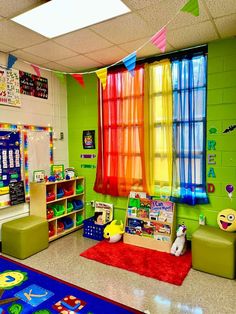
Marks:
<point>189,123</point>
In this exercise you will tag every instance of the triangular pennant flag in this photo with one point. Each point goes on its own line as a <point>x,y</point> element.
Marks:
<point>11,60</point>
<point>79,78</point>
<point>36,69</point>
<point>159,39</point>
<point>191,7</point>
<point>130,62</point>
<point>102,75</point>
<point>60,76</point>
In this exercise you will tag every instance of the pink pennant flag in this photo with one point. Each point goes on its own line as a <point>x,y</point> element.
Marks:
<point>159,39</point>
<point>79,78</point>
<point>36,69</point>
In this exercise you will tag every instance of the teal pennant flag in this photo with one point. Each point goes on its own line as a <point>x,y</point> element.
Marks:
<point>130,62</point>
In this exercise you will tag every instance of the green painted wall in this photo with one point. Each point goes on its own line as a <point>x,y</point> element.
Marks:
<point>221,112</point>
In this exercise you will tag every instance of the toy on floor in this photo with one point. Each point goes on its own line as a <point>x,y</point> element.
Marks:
<point>113,232</point>
<point>226,220</point>
<point>179,246</point>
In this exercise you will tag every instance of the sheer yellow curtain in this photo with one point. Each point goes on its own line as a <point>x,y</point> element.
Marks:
<point>158,128</point>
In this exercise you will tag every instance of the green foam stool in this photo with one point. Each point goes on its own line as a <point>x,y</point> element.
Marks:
<point>214,251</point>
<point>25,236</point>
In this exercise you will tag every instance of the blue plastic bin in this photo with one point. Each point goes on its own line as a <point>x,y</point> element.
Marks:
<point>92,230</point>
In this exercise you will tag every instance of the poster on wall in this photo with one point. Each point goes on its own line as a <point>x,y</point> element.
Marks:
<point>10,162</point>
<point>33,85</point>
<point>89,139</point>
<point>9,87</point>
<point>17,193</point>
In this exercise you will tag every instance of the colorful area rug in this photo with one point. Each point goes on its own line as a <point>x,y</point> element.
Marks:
<point>146,262</point>
<point>26,290</point>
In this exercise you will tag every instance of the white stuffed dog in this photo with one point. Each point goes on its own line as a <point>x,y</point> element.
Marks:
<point>179,246</point>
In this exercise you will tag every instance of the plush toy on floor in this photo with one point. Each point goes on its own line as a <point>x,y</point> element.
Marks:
<point>179,246</point>
<point>113,232</point>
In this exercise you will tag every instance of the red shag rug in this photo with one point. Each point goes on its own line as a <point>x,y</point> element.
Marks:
<point>150,263</point>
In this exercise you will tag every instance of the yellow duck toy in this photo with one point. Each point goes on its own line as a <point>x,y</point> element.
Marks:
<point>113,232</point>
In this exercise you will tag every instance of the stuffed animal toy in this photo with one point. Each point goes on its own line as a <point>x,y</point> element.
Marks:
<point>113,232</point>
<point>179,246</point>
<point>227,220</point>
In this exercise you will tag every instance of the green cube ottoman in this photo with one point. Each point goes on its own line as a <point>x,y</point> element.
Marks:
<point>25,236</point>
<point>214,251</point>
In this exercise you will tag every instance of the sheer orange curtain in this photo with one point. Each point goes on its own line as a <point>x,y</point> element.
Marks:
<point>120,165</point>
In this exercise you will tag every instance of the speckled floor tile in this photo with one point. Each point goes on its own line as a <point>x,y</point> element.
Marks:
<point>200,293</point>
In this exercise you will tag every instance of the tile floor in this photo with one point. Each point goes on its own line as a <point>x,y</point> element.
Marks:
<point>200,292</point>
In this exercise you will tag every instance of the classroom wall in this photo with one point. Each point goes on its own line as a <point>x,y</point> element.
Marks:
<point>38,112</point>
<point>221,112</point>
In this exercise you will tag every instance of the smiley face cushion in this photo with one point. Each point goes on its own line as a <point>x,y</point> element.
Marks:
<point>226,220</point>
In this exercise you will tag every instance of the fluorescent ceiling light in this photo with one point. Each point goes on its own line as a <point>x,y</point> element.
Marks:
<point>58,17</point>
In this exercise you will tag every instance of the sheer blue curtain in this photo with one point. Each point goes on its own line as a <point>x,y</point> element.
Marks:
<point>189,123</point>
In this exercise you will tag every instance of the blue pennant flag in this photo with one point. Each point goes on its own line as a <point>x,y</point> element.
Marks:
<point>11,60</point>
<point>130,62</point>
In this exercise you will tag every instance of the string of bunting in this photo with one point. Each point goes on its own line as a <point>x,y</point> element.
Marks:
<point>158,40</point>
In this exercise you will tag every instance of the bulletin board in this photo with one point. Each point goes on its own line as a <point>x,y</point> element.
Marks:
<point>10,161</point>
<point>23,149</point>
<point>38,152</point>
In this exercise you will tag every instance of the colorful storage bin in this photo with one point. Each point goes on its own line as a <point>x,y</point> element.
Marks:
<point>79,219</point>
<point>77,204</point>
<point>58,210</point>
<point>69,207</point>
<point>79,189</point>
<point>92,230</point>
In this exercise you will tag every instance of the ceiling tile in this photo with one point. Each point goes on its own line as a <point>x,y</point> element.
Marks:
<point>15,7</point>
<point>148,50</point>
<point>29,57</point>
<point>108,56</point>
<point>123,28</point>
<point>5,48</point>
<point>192,35</point>
<point>80,63</point>
<point>57,67</point>
<point>83,41</point>
<point>151,50</point>
<point>51,51</point>
<point>137,4</point>
<point>221,7</point>
<point>226,25</point>
<point>18,36</point>
<point>159,15</point>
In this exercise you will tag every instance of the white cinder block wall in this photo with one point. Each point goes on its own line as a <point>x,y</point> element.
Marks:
<point>38,112</point>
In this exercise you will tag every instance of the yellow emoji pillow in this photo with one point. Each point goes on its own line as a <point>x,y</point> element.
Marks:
<point>226,220</point>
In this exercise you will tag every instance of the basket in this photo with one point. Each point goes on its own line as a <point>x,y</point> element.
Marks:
<point>92,230</point>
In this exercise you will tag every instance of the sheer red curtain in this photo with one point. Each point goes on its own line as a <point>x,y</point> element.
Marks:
<point>120,165</point>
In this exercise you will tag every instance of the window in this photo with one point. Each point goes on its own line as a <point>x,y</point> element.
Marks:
<point>189,123</point>
<point>152,131</point>
<point>159,124</point>
<point>121,134</point>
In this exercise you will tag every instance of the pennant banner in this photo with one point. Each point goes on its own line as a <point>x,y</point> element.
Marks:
<point>79,78</point>
<point>11,60</point>
<point>159,39</point>
<point>191,7</point>
<point>102,75</point>
<point>60,76</point>
<point>36,69</point>
<point>130,62</point>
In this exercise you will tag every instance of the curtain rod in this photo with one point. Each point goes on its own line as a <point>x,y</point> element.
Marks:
<point>171,55</point>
